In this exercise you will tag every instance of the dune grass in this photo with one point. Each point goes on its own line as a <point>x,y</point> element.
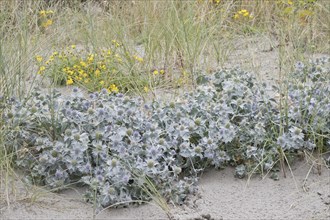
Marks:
<point>174,40</point>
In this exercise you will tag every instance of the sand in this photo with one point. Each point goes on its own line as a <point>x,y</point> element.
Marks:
<point>220,196</point>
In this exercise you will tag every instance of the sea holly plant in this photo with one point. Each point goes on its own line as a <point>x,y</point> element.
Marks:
<point>126,150</point>
<point>308,120</point>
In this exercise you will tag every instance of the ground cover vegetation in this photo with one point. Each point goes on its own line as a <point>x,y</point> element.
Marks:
<point>125,148</point>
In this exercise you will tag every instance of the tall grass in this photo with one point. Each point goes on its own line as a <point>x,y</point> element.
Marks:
<point>182,37</point>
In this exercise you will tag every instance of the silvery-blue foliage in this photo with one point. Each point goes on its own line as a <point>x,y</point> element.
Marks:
<point>116,144</point>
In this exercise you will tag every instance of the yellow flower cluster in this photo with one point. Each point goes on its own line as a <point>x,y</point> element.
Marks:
<point>45,18</point>
<point>215,2</point>
<point>39,58</point>
<point>69,81</point>
<point>156,71</point>
<point>146,89</point>
<point>41,69</point>
<point>137,58</point>
<point>303,9</point>
<point>47,23</point>
<point>116,43</point>
<point>44,13</point>
<point>113,88</point>
<point>94,71</point>
<point>241,14</point>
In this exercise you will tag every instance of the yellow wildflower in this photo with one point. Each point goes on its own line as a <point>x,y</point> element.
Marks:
<point>73,46</point>
<point>69,81</point>
<point>90,58</point>
<point>103,67</point>
<point>42,13</point>
<point>41,69</point>
<point>243,13</point>
<point>101,82</point>
<point>47,23</point>
<point>139,59</point>
<point>180,81</point>
<point>118,58</point>
<point>39,58</point>
<point>146,89</point>
<point>155,72</point>
<point>97,72</point>
<point>114,42</point>
<point>113,88</point>
<point>162,71</point>
<point>83,64</point>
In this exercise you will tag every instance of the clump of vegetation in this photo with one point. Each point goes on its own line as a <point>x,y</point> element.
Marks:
<point>107,68</point>
<point>126,150</point>
<point>119,145</point>
<point>45,20</point>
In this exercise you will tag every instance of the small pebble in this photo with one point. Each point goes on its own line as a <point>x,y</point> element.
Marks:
<point>207,216</point>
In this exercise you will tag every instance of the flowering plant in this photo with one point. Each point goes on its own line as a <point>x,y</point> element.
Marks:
<point>118,145</point>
